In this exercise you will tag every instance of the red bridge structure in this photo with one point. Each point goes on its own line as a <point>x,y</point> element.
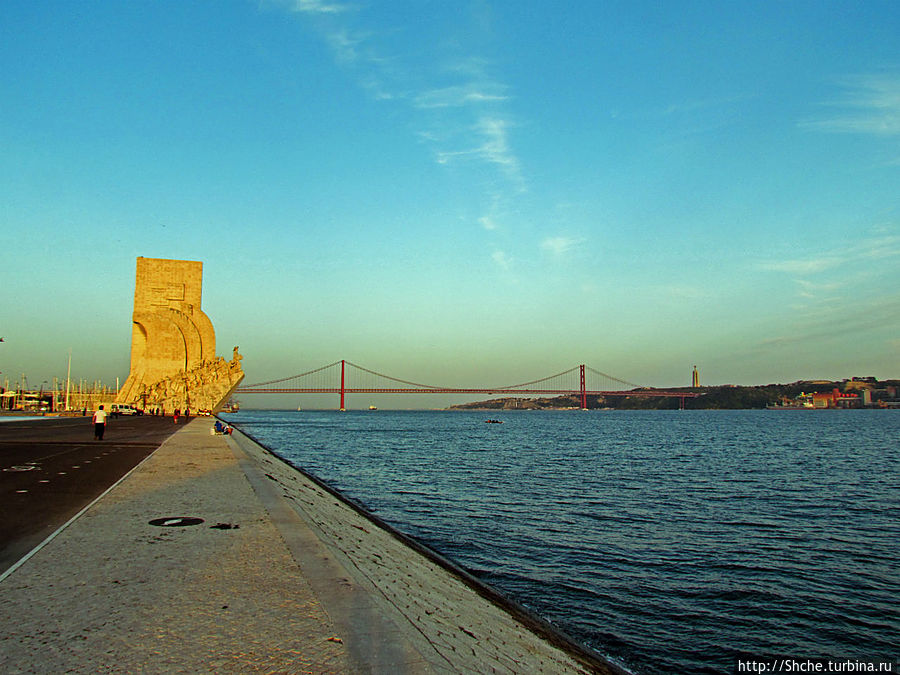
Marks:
<point>343,377</point>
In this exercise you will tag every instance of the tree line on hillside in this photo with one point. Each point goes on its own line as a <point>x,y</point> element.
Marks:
<point>726,397</point>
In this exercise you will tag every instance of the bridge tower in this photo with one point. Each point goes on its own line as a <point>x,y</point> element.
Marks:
<point>583,390</point>
<point>343,388</point>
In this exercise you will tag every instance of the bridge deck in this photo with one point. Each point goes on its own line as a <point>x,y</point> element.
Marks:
<point>546,392</point>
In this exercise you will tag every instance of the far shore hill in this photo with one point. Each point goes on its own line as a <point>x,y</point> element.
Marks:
<point>881,394</point>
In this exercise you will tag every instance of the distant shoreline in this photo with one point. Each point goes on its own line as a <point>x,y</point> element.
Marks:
<point>879,394</point>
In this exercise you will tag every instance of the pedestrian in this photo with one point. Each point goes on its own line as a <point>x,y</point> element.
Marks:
<point>99,423</point>
<point>175,415</point>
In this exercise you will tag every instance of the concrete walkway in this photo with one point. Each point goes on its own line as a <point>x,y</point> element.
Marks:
<point>281,577</point>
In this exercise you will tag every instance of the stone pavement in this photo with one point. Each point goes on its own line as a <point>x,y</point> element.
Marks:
<point>51,468</point>
<point>281,577</point>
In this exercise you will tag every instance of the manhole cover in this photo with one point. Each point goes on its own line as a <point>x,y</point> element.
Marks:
<point>176,521</point>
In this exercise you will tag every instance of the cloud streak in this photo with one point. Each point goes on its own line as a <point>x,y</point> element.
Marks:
<point>459,108</point>
<point>871,250</point>
<point>841,292</point>
<point>319,7</point>
<point>559,246</point>
<point>862,316</point>
<point>870,105</point>
<point>471,93</point>
<point>491,137</point>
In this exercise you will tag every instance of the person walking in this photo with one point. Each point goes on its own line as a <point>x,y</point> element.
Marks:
<point>99,423</point>
<point>175,415</point>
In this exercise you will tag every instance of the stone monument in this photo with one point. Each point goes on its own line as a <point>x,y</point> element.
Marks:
<point>173,344</point>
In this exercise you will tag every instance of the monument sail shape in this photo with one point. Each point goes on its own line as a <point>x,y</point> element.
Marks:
<point>173,344</point>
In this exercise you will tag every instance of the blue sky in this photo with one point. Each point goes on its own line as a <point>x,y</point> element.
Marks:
<point>459,193</point>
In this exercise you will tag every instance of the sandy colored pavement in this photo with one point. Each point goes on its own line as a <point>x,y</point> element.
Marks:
<point>281,577</point>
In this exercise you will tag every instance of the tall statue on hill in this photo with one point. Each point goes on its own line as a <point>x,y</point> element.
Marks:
<point>173,344</point>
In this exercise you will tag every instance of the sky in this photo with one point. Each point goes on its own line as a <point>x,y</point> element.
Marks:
<point>468,193</point>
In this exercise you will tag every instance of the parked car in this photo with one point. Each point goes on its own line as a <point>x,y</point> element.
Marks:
<point>123,409</point>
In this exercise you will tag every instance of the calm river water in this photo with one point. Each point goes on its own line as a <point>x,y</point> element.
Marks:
<point>670,541</point>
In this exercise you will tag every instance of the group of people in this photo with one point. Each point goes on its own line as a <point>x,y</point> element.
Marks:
<point>102,415</point>
<point>221,428</point>
<point>175,414</point>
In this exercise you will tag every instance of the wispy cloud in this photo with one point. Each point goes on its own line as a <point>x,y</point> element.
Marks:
<point>496,212</point>
<point>502,260</point>
<point>488,222</point>
<point>559,246</point>
<point>870,105</point>
<point>472,93</point>
<point>319,7</point>
<point>861,316</point>
<point>805,266</point>
<point>495,148</point>
<point>491,146</point>
<point>459,109</point>
<point>812,289</point>
<point>344,45</point>
<point>842,291</point>
<point>872,249</point>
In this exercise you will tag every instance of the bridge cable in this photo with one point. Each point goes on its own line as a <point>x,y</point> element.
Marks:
<point>396,379</point>
<point>610,377</point>
<point>541,379</point>
<point>291,377</point>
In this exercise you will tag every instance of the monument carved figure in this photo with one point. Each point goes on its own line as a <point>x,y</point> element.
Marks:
<point>173,344</point>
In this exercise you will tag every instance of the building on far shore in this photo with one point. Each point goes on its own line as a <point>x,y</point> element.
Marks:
<point>838,399</point>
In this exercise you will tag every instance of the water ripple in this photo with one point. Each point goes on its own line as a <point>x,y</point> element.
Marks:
<point>672,541</point>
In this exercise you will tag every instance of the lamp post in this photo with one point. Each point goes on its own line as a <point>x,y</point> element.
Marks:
<point>68,374</point>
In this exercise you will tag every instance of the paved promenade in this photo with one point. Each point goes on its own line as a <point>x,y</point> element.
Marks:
<point>280,577</point>
<point>51,468</point>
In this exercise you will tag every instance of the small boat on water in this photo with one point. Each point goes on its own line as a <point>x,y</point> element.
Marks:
<point>372,407</point>
<point>493,422</point>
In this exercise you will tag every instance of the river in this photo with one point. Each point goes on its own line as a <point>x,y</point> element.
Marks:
<point>669,541</point>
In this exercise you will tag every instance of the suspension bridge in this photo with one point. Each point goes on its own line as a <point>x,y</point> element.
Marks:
<point>343,378</point>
